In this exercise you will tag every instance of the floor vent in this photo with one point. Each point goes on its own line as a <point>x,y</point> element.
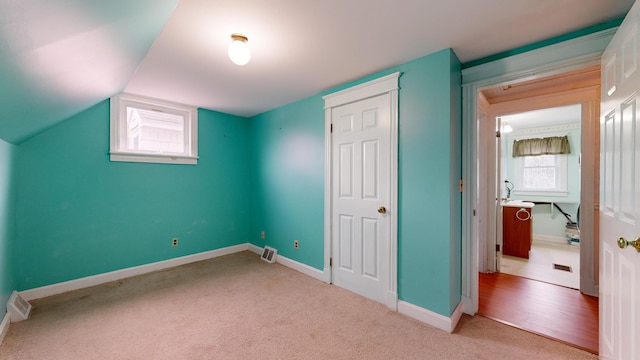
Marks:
<point>269,254</point>
<point>18,308</point>
<point>562,267</point>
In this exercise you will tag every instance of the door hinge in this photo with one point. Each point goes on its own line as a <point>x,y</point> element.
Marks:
<point>460,185</point>
<point>330,262</point>
<point>331,130</point>
<point>498,133</point>
<point>497,247</point>
<point>474,212</point>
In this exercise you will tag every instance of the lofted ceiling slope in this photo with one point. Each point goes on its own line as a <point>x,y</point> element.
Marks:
<point>58,57</point>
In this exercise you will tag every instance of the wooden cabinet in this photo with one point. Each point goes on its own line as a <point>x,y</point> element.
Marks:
<point>517,231</point>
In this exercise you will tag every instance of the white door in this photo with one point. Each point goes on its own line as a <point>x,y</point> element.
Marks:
<point>619,194</point>
<point>500,194</point>
<point>361,189</point>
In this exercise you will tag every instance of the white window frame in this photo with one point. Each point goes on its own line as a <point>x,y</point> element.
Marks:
<point>119,134</point>
<point>561,179</point>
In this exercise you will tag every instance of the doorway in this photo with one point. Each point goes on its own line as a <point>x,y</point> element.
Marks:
<point>539,169</point>
<point>577,88</point>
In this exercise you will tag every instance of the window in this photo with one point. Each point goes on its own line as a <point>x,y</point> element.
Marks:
<point>541,175</point>
<point>154,131</point>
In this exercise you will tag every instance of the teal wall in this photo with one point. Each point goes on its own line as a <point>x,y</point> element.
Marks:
<point>288,180</point>
<point>429,224</point>
<point>78,214</point>
<point>7,223</point>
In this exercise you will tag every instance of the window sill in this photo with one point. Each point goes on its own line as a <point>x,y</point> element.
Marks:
<point>154,158</point>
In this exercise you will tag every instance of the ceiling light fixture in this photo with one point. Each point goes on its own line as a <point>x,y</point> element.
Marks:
<point>506,128</point>
<point>239,51</point>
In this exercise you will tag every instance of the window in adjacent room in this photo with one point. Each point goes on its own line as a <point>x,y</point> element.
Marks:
<point>544,173</point>
<point>154,131</point>
<point>541,175</point>
<point>541,166</point>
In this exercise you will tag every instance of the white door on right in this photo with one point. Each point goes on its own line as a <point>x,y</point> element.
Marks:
<point>620,194</point>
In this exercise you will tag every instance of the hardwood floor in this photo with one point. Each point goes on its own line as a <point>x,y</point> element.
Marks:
<point>549,310</point>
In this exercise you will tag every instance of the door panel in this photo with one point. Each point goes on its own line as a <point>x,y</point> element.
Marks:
<point>370,160</point>
<point>345,171</point>
<point>361,153</point>
<point>345,241</point>
<point>620,161</point>
<point>370,245</point>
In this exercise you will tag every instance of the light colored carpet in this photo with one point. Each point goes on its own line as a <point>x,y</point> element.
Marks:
<point>239,307</point>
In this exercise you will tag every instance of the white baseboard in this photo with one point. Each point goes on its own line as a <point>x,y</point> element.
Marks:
<point>468,306</point>
<point>439,321</point>
<point>76,284</point>
<point>326,275</point>
<point>455,317</point>
<point>436,320</point>
<point>549,238</point>
<point>4,326</point>
<point>256,249</point>
<point>292,264</point>
<point>392,300</point>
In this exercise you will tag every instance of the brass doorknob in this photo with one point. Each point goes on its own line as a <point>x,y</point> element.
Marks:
<point>623,243</point>
<point>382,210</point>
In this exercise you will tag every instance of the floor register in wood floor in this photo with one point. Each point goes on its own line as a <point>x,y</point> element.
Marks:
<point>550,310</point>
<point>239,307</point>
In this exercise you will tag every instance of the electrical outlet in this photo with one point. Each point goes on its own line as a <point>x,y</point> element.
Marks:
<point>262,234</point>
<point>296,245</point>
<point>174,242</point>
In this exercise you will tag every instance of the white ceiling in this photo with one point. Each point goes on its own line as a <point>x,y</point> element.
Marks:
<point>299,47</point>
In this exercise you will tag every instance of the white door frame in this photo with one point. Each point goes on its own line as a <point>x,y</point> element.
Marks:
<point>548,61</point>
<point>384,85</point>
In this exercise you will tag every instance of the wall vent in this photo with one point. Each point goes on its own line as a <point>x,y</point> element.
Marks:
<point>562,267</point>
<point>18,308</point>
<point>269,254</point>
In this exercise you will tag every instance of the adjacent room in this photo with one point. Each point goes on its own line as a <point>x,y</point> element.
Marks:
<point>287,179</point>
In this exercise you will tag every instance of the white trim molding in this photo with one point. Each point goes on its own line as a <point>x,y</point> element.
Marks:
<point>436,320</point>
<point>4,326</point>
<point>553,58</point>
<point>119,134</point>
<point>537,238</point>
<point>388,84</point>
<point>292,264</point>
<point>59,288</point>
<point>365,90</point>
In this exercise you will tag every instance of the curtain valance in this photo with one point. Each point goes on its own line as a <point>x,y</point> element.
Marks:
<point>554,145</point>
